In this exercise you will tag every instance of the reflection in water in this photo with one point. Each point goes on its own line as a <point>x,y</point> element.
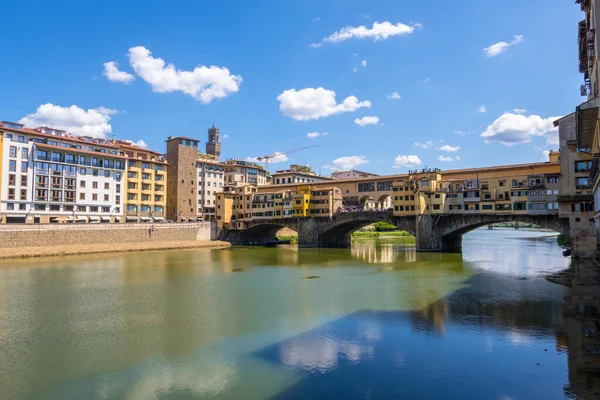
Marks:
<point>380,322</point>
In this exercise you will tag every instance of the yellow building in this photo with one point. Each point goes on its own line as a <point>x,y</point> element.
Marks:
<point>145,184</point>
<point>234,206</point>
<point>301,201</point>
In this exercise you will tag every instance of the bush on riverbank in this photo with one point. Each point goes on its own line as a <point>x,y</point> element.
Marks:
<point>373,235</point>
<point>563,240</point>
<point>356,235</point>
<point>292,238</point>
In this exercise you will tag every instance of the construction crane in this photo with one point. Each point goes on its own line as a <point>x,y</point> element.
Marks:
<point>267,158</point>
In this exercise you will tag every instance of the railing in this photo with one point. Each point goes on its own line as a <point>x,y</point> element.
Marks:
<point>101,226</point>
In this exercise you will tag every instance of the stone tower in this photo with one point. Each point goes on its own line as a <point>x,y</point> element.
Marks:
<point>213,145</point>
<point>182,153</point>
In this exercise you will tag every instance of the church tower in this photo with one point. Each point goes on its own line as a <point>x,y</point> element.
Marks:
<point>213,146</point>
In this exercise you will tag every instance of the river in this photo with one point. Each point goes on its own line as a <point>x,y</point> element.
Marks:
<point>375,321</point>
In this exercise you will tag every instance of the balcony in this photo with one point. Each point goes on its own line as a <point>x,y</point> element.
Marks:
<point>472,199</point>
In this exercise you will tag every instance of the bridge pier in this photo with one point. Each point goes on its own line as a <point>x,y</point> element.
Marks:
<point>429,237</point>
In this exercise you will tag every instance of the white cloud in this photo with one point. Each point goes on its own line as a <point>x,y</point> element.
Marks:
<point>501,47</point>
<point>379,31</point>
<point>364,63</point>
<point>407,161</point>
<point>457,158</point>
<point>354,69</point>
<point>92,122</point>
<point>140,143</point>
<point>113,74</point>
<point>225,136</point>
<point>203,83</point>
<point>445,159</point>
<point>315,19</point>
<point>545,155</point>
<point>315,45</point>
<point>451,149</point>
<point>462,133</point>
<point>394,96</point>
<point>278,158</point>
<point>481,109</point>
<point>311,103</point>
<point>510,129</point>
<point>519,111</point>
<point>370,120</point>
<point>348,162</point>
<point>426,145</point>
<point>312,135</point>
<point>355,54</point>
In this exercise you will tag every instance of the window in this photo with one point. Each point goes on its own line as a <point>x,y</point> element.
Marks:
<point>94,209</point>
<point>13,151</point>
<point>12,166</point>
<point>23,194</point>
<point>95,185</point>
<point>581,181</point>
<point>107,174</point>
<point>131,164</point>
<point>21,139</point>
<point>22,207</point>
<point>583,166</point>
<point>485,186</point>
<point>11,179</point>
<point>10,206</point>
<point>366,187</point>
<point>145,175</point>
<point>82,171</point>
<point>486,206</point>
<point>40,207</point>
<point>81,196</point>
<point>502,183</point>
<point>145,165</point>
<point>95,172</point>
<point>95,197</point>
<point>24,180</point>
<point>436,206</point>
<point>106,197</point>
<point>106,185</point>
<point>133,175</point>
<point>553,179</point>
<point>11,194</point>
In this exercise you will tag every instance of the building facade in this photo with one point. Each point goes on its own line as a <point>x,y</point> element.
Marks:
<point>211,178</point>
<point>182,178</point>
<point>241,172</point>
<point>48,175</point>
<point>296,174</point>
<point>146,184</point>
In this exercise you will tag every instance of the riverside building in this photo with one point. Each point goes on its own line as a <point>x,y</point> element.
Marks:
<point>48,175</point>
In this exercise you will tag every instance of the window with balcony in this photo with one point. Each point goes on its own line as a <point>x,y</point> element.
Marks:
<point>145,197</point>
<point>69,196</point>
<point>146,186</point>
<point>145,176</point>
<point>23,194</point>
<point>131,196</point>
<point>132,185</point>
<point>11,194</point>
<point>131,164</point>
<point>12,180</point>
<point>132,175</point>
<point>131,208</point>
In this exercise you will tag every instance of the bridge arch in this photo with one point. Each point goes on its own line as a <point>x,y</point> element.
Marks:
<point>445,232</point>
<point>260,232</point>
<point>338,232</point>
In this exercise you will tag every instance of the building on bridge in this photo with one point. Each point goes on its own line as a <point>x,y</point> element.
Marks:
<point>297,174</point>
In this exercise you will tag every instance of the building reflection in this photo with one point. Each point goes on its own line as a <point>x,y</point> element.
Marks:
<point>580,335</point>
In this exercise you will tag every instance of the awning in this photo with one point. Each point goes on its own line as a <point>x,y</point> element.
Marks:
<point>145,218</point>
<point>81,218</point>
<point>586,119</point>
<point>159,219</point>
<point>117,218</point>
<point>131,219</point>
<point>70,218</point>
<point>105,219</point>
<point>94,218</point>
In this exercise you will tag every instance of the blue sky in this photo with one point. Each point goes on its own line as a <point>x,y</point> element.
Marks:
<point>430,53</point>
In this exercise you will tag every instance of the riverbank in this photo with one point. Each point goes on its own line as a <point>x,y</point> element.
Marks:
<point>82,249</point>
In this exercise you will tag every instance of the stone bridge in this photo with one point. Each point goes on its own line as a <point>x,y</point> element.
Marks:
<point>441,232</point>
